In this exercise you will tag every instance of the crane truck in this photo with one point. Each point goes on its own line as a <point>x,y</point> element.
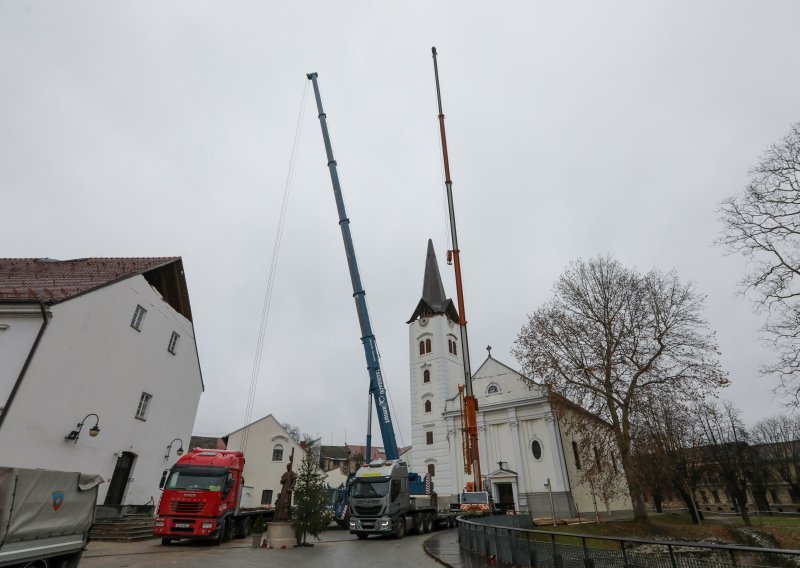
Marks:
<point>384,498</point>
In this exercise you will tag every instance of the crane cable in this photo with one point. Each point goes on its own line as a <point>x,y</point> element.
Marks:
<point>251,396</point>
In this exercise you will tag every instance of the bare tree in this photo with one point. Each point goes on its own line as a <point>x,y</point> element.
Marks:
<point>610,336</point>
<point>296,434</point>
<point>778,440</point>
<point>763,223</point>
<point>666,452</point>
<point>726,451</point>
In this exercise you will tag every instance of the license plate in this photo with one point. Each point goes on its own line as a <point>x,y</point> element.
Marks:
<point>182,525</point>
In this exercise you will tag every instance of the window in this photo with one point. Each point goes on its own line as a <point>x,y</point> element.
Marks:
<point>576,454</point>
<point>395,490</point>
<point>429,438</point>
<point>431,469</point>
<point>277,453</point>
<point>428,406</point>
<point>597,461</point>
<point>536,449</point>
<point>266,497</point>
<point>144,405</point>
<point>138,317</point>
<point>451,346</point>
<point>173,342</point>
<point>427,345</point>
<point>493,389</point>
<point>422,348</point>
<point>426,376</point>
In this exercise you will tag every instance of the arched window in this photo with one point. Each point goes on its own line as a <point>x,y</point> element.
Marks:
<point>432,470</point>
<point>428,406</point>
<point>277,453</point>
<point>427,345</point>
<point>493,389</point>
<point>576,454</point>
<point>455,351</point>
<point>449,345</point>
<point>422,347</point>
<point>426,376</point>
<point>536,449</point>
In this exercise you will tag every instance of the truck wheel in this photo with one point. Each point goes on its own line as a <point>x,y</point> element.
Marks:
<point>227,531</point>
<point>362,536</point>
<point>166,541</point>
<point>418,525</point>
<point>428,522</point>
<point>245,527</point>
<point>400,528</point>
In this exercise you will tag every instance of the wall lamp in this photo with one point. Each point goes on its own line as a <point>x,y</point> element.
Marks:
<point>93,431</point>
<point>178,452</point>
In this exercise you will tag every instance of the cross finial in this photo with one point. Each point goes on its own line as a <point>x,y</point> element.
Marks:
<point>489,349</point>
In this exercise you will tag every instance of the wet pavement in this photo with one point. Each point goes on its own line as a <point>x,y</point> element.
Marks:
<point>335,548</point>
<point>443,546</point>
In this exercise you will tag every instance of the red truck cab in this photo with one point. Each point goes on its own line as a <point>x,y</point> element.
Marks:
<point>200,498</point>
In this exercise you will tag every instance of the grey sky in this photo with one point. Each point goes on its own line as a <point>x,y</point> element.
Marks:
<point>155,128</point>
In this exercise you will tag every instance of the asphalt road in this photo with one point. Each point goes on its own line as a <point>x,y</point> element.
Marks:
<point>337,548</point>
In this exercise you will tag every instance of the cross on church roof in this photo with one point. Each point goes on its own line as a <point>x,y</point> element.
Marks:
<point>489,349</point>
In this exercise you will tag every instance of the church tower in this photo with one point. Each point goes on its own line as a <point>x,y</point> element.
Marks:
<point>436,371</point>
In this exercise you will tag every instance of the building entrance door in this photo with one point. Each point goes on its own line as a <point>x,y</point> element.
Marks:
<point>119,481</point>
<point>505,496</point>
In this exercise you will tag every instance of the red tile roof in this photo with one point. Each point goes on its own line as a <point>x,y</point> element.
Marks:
<point>47,280</point>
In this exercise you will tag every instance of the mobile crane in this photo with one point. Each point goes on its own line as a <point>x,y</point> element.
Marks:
<point>384,497</point>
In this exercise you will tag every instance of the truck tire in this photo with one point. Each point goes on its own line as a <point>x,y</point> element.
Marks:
<point>244,527</point>
<point>400,528</point>
<point>68,561</point>
<point>166,541</point>
<point>428,523</point>
<point>362,536</point>
<point>227,530</point>
<point>418,525</point>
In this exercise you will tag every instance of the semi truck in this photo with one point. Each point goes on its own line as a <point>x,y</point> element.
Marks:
<point>383,500</point>
<point>204,497</point>
<point>45,516</point>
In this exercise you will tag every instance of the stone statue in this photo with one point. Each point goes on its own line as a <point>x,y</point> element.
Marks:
<point>284,501</point>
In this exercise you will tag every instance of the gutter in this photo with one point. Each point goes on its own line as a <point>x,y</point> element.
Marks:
<point>25,366</point>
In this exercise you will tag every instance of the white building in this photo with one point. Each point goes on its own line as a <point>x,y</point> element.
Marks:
<point>267,447</point>
<point>521,443</point>
<point>97,342</point>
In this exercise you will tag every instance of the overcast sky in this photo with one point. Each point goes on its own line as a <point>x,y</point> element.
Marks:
<point>155,128</point>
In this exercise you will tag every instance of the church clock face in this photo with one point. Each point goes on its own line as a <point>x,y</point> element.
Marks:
<point>423,322</point>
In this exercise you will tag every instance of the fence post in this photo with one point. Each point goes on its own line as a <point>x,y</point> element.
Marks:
<point>558,562</point>
<point>588,561</point>
<point>624,554</point>
<point>532,550</point>
<point>672,558</point>
<point>733,557</point>
<point>486,548</point>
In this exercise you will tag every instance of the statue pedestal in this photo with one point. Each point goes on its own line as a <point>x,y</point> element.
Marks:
<point>280,534</point>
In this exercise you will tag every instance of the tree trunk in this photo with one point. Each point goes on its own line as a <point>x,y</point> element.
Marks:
<point>658,502</point>
<point>635,488</point>
<point>688,500</point>
<point>741,502</point>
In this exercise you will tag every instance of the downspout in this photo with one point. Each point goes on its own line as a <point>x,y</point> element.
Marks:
<point>25,366</point>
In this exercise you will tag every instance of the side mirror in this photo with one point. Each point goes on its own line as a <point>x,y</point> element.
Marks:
<point>163,482</point>
<point>228,485</point>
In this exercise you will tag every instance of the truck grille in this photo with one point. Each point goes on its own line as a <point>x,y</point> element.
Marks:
<point>186,507</point>
<point>368,511</point>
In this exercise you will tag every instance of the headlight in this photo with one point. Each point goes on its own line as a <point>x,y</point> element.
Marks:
<point>385,523</point>
<point>208,525</point>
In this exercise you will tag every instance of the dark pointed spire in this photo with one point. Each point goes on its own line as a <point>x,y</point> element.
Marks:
<point>432,287</point>
<point>434,301</point>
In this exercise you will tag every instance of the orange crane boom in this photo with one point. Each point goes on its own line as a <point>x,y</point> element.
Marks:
<point>472,462</point>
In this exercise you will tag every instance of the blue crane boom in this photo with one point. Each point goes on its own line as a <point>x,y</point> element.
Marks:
<point>377,389</point>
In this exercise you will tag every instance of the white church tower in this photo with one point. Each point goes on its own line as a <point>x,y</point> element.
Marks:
<point>436,371</point>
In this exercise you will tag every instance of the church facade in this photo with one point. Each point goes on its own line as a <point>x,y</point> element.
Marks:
<point>529,459</point>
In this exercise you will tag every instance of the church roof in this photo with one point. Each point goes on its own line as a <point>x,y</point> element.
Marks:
<point>433,300</point>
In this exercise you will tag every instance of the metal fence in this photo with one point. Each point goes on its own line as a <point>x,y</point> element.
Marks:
<point>512,541</point>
